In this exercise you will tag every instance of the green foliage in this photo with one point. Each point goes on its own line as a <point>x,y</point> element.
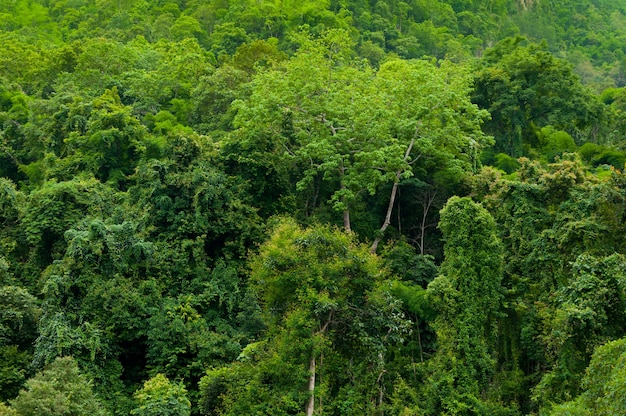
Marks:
<point>560,225</point>
<point>415,300</point>
<point>6,411</point>
<point>325,298</point>
<point>506,163</point>
<point>526,88</point>
<point>213,95</point>
<point>106,267</point>
<point>587,312</point>
<point>467,296</point>
<point>188,203</point>
<point>602,384</point>
<point>160,397</point>
<point>402,261</point>
<point>60,389</point>
<point>144,145</point>
<point>57,206</point>
<point>111,145</point>
<point>555,143</point>
<point>350,130</point>
<point>598,155</point>
<point>19,313</point>
<point>13,370</point>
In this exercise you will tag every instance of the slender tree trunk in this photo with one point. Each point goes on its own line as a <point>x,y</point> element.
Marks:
<point>392,201</point>
<point>419,341</point>
<point>311,406</point>
<point>426,204</point>
<point>320,399</point>
<point>381,393</point>
<point>379,381</point>
<point>346,211</point>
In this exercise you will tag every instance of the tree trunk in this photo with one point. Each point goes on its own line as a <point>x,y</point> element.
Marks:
<point>310,408</point>
<point>392,201</point>
<point>426,203</point>
<point>346,211</point>
<point>311,389</point>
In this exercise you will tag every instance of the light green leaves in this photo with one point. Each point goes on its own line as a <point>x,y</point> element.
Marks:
<point>354,129</point>
<point>59,390</point>
<point>160,397</point>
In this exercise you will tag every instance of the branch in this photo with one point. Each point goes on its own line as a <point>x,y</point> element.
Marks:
<point>416,159</point>
<point>328,321</point>
<point>332,128</point>
<point>287,149</point>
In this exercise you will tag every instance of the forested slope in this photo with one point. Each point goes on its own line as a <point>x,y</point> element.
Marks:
<point>312,207</point>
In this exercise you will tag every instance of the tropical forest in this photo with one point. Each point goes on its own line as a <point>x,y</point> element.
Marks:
<point>312,207</point>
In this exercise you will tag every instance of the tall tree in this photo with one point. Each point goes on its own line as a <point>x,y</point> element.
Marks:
<point>467,295</point>
<point>563,229</point>
<point>349,130</point>
<point>329,315</point>
<point>19,315</point>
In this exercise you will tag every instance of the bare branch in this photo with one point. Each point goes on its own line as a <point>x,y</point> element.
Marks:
<point>426,204</point>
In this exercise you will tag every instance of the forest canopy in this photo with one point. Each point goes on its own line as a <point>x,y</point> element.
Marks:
<point>340,207</point>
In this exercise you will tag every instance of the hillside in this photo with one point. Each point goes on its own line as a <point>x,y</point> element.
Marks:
<point>215,207</point>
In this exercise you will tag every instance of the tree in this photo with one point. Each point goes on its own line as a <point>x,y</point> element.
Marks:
<point>161,397</point>
<point>604,380</point>
<point>349,130</point>
<point>14,146</point>
<point>326,302</point>
<point>526,88</point>
<point>6,410</point>
<point>19,315</point>
<point>587,312</point>
<point>212,98</point>
<point>562,228</point>
<point>113,143</point>
<point>57,206</point>
<point>467,297</point>
<point>96,303</point>
<point>60,389</point>
<point>12,200</point>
